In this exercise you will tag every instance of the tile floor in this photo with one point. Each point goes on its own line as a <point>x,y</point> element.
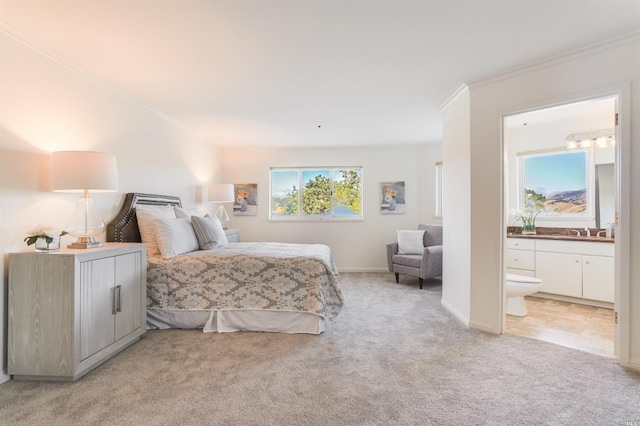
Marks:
<point>587,328</point>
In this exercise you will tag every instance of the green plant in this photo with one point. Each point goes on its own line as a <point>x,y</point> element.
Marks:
<point>533,206</point>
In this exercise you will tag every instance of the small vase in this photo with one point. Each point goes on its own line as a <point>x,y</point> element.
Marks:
<point>43,247</point>
<point>392,204</point>
<point>529,229</point>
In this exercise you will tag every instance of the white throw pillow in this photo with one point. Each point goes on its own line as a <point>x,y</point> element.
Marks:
<point>146,215</point>
<point>209,232</point>
<point>411,242</point>
<point>186,214</point>
<point>175,236</point>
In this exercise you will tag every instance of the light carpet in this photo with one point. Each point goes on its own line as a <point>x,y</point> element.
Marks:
<point>393,356</point>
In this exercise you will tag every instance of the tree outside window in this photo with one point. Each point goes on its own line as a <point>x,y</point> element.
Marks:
<point>322,193</point>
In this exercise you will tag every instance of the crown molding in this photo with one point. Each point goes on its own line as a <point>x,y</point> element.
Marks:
<point>557,59</point>
<point>47,53</point>
<point>451,99</point>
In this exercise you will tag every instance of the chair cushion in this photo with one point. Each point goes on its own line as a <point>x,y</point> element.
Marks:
<point>410,242</point>
<point>432,235</point>
<point>412,260</point>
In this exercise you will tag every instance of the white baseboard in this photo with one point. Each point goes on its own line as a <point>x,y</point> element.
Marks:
<point>457,315</point>
<point>4,377</point>
<point>356,269</point>
<point>483,326</point>
<point>634,364</point>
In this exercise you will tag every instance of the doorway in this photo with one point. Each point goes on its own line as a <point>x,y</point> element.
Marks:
<point>572,199</point>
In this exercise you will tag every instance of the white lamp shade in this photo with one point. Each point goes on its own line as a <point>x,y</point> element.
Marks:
<point>221,193</point>
<point>79,171</point>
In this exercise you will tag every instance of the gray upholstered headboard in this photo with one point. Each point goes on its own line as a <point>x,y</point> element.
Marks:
<point>124,227</point>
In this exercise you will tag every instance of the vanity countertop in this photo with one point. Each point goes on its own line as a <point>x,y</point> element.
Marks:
<point>561,234</point>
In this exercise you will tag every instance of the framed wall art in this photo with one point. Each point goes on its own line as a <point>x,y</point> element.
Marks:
<point>246,202</point>
<point>392,199</point>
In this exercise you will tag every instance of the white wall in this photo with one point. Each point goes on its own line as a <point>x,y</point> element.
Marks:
<point>541,86</point>
<point>45,107</point>
<point>356,246</point>
<point>456,206</point>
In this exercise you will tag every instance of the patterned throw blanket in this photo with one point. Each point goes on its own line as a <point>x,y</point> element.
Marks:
<point>272,276</point>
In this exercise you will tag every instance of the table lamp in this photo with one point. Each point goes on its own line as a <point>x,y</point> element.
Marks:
<point>84,171</point>
<point>221,193</point>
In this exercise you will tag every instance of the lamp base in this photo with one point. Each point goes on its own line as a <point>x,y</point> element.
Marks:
<point>84,243</point>
<point>221,214</point>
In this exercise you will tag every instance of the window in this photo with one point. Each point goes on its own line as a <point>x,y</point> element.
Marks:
<point>438,212</point>
<point>316,193</point>
<point>557,183</point>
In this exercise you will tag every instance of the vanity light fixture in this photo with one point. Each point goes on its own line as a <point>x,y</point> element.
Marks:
<point>84,171</point>
<point>598,138</point>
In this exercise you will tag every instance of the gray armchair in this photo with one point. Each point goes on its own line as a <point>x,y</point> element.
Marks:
<point>426,265</point>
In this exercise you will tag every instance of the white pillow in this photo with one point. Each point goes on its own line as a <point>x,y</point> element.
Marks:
<point>145,215</point>
<point>411,242</point>
<point>186,214</point>
<point>209,232</point>
<point>175,236</point>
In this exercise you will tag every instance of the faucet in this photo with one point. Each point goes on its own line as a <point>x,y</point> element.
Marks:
<point>588,234</point>
<point>576,231</point>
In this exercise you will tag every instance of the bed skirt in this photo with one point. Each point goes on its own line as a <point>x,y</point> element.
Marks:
<point>226,321</point>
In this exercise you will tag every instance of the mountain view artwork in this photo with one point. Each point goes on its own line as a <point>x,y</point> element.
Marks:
<point>558,181</point>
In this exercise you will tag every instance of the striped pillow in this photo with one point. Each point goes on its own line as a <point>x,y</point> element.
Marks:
<point>146,215</point>
<point>209,232</point>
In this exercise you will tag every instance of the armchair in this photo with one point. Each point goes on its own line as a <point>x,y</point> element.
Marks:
<point>425,265</point>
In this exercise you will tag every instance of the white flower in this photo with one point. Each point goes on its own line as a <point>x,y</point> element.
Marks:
<point>48,232</point>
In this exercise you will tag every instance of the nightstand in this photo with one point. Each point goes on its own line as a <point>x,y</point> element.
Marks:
<point>72,310</point>
<point>233,235</point>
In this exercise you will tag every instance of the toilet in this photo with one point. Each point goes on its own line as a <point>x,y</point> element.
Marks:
<point>519,286</point>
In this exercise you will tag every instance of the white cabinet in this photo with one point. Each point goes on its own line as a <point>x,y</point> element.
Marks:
<point>578,269</point>
<point>520,257</point>
<point>72,310</point>
<point>598,278</point>
<point>233,235</point>
<point>561,273</point>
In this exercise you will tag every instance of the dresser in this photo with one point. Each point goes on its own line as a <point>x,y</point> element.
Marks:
<point>72,310</point>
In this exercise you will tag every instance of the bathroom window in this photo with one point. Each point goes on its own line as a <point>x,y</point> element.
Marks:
<point>318,193</point>
<point>557,183</point>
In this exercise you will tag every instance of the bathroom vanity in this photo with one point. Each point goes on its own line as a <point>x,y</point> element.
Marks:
<point>572,268</point>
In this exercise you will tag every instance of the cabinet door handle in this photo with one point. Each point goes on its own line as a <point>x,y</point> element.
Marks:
<point>113,301</point>
<point>118,298</point>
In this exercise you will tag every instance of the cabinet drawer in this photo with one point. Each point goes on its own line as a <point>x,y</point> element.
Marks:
<point>520,244</point>
<point>520,259</point>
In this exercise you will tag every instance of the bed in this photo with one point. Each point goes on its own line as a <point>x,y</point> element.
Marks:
<point>270,287</point>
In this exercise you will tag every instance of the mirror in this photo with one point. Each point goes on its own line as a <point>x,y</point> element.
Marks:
<point>605,194</point>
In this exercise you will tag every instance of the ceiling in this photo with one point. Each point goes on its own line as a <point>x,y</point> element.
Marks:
<point>308,72</point>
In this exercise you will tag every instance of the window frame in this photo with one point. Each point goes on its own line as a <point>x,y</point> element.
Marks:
<point>330,216</point>
<point>438,211</point>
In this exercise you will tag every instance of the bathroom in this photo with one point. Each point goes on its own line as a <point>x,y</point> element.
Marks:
<point>560,177</point>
